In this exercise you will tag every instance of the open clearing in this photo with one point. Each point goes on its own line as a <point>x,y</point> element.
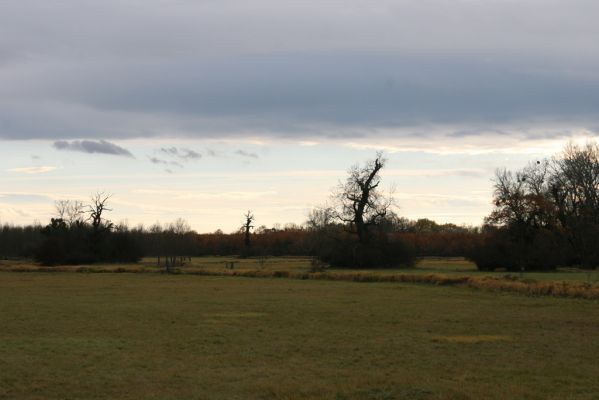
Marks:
<point>132,336</point>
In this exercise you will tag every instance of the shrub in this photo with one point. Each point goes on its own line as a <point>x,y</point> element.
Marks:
<point>343,250</point>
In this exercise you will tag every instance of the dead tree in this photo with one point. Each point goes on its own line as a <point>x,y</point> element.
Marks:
<point>247,226</point>
<point>98,207</point>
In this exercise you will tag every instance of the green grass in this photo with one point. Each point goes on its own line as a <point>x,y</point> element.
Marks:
<point>152,336</point>
<point>452,266</point>
<point>457,266</point>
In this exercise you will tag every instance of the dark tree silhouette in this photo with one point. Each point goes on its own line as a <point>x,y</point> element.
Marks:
<point>355,231</point>
<point>575,193</point>
<point>247,226</point>
<point>98,207</point>
<point>360,201</point>
<point>546,214</point>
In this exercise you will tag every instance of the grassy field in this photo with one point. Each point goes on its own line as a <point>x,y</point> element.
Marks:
<point>153,336</point>
<point>445,265</point>
<point>452,266</point>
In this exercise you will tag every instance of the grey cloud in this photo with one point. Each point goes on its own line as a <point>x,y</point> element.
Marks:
<point>92,146</point>
<point>177,155</point>
<point>181,153</point>
<point>247,154</point>
<point>156,160</point>
<point>475,132</point>
<point>411,64</point>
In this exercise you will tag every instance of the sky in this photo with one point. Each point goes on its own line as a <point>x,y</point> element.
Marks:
<point>203,109</point>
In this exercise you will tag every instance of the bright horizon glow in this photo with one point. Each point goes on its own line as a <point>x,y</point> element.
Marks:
<point>280,182</point>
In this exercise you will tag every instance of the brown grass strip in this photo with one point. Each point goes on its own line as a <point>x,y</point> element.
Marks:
<point>580,290</point>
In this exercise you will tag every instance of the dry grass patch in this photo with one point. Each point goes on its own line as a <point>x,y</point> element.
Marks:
<point>299,268</point>
<point>472,338</point>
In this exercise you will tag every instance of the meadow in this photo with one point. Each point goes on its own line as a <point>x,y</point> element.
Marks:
<point>159,336</point>
<point>451,266</point>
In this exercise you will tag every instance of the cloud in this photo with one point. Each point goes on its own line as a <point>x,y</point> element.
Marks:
<point>186,195</point>
<point>181,153</point>
<point>24,198</point>
<point>358,70</point>
<point>92,146</point>
<point>247,154</point>
<point>177,155</point>
<point>33,170</point>
<point>438,172</point>
<point>156,160</point>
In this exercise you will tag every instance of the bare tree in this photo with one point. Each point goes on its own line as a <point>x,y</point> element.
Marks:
<point>549,200</point>
<point>176,244</point>
<point>575,192</point>
<point>247,226</point>
<point>96,209</point>
<point>523,206</point>
<point>61,208</point>
<point>75,213</point>
<point>180,226</point>
<point>522,199</point>
<point>320,217</point>
<point>360,201</point>
<point>70,211</point>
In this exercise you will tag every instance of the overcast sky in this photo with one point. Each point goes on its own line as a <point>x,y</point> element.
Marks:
<point>202,109</point>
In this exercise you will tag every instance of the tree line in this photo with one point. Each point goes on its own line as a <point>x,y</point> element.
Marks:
<point>545,215</point>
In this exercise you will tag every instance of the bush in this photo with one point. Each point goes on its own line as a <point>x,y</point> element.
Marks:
<point>77,244</point>
<point>500,248</point>
<point>343,250</point>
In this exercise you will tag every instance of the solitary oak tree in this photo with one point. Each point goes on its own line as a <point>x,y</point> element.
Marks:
<point>360,202</point>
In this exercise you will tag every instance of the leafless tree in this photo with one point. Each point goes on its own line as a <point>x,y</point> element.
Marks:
<point>61,208</point>
<point>360,200</point>
<point>320,217</point>
<point>70,211</point>
<point>75,213</point>
<point>523,206</point>
<point>179,227</point>
<point>247,226</point>
<point>96,209</point>
<point>575,192</point>
<point>522,198</point>
<point>575,183</point>
<point>175,244</point>
<point>560,195</point>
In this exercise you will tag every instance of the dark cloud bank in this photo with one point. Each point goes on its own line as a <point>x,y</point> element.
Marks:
<point>92,146</point>
<point>295,71</point>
